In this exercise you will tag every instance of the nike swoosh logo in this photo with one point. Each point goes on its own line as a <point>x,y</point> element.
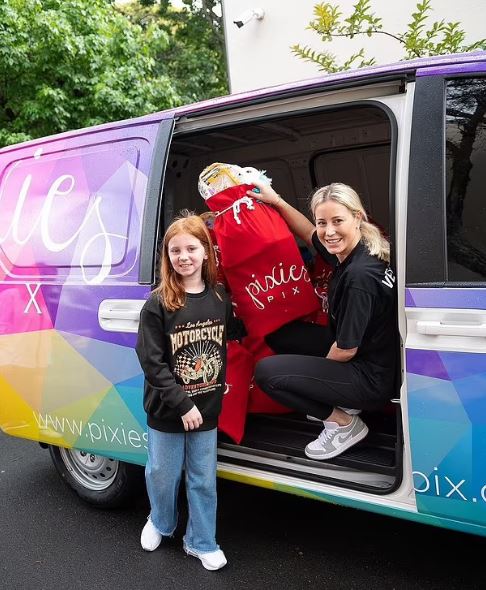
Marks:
<point>341,438</point>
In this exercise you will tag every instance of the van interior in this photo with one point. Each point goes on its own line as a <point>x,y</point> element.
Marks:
<point>301,151</point>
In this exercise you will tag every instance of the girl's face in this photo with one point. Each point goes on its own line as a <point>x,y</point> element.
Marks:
<point>337,228</point>
<point>187,255</point>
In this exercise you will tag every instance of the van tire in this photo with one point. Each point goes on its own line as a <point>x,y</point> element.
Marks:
<point>100,481</point>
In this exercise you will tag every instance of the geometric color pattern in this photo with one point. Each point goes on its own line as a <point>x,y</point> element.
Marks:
<point>69,239</point>
<point>447,419</point>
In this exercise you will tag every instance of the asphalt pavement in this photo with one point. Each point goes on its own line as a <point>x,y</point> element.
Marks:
<point>49,540</point>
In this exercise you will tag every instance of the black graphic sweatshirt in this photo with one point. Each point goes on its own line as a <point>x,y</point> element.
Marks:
<point>183,357</point>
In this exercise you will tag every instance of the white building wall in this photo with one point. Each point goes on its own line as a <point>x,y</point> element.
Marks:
<point>259,53</point>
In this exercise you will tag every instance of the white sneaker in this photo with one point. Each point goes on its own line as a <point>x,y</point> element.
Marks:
<point>335,439</point>
<point>211,561</point>
<point>150,538</point>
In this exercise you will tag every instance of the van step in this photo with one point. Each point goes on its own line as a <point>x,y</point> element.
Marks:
<point>285,437</point>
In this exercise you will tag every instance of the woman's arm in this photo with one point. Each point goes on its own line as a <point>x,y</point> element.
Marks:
<point>354,315</point>
<point>342,355</point>
<point>298,223</point>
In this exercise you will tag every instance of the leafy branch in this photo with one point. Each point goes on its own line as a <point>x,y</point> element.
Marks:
<point>418,41</point>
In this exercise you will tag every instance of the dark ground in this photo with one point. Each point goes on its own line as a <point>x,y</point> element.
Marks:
<point>49,539</point>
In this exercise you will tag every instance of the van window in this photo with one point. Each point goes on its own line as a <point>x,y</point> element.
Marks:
<point>466,179</point>
<point>58,210</point>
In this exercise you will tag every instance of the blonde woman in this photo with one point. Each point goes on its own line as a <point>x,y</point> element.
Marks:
<point>351,364</point>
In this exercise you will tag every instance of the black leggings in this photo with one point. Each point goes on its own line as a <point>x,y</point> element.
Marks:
<point>309,383</point>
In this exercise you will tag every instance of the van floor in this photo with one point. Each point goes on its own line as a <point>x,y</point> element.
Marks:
<point>277,443</point>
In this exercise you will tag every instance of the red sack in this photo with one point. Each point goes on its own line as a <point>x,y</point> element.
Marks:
<point>239,373</point>
<point>268,280</point>
<point>259,402</point>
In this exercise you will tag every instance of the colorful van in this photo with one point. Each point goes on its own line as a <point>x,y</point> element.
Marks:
<point>81,218</point>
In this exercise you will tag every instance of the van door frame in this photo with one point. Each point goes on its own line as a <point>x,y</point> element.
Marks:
<point>153,202</point>
<point>394,141</point>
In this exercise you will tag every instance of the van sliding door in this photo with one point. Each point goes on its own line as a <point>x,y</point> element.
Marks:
<point>446,295</point>
<point>77,237</point>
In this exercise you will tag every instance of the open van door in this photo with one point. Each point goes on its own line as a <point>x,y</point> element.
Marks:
<point>446,294</point>
<point>79,215</point>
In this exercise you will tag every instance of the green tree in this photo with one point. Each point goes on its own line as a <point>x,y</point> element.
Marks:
<point>418,41</point>
<point>195,57</point>
<point>66,65</point>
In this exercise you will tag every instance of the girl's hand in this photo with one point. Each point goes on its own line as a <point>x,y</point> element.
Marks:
<point>192,419</point>
<point>266,195</point>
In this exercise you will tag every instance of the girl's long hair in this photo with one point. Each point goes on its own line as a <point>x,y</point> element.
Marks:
<point>345,195</point>
<point>170,288</point>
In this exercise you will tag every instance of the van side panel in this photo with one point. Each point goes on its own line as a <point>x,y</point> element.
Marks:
<point>70,235</point>
<point>446,296</point>
<point>447,413</point>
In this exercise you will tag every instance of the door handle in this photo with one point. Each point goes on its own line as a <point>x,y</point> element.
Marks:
<point>436,328</point>
<point>120,315</point>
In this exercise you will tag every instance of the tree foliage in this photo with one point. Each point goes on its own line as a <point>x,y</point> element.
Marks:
<point>194,58</point>
<point>71,64</point>
<point>418,41</point>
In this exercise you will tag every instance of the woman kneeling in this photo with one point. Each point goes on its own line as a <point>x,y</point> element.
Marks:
<point>351,364</point>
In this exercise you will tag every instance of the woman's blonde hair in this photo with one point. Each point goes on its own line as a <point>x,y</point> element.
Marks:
<point>343,194</point>
<point>170,289</point>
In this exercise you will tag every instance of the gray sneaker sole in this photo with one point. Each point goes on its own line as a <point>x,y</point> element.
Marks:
<point>348,444</point>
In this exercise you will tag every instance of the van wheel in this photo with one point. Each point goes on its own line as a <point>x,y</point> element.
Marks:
<point>99,481</point>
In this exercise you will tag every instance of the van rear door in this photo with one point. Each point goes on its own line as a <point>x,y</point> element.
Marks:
<point>78,223</point>
<point>446,294</point>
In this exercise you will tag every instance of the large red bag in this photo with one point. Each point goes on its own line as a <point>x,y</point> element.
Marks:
<point>239,373</point>
<point>259,402</point>
<point>269,282</point>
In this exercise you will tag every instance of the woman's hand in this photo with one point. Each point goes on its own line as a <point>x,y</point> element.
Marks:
<point>192,419</point>
<point>266,195</point>
<point>342,355</point>
<point>298,223</point>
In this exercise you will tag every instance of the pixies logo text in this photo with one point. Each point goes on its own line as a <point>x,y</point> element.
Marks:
<point>34,209</point>
<point>282,282</point>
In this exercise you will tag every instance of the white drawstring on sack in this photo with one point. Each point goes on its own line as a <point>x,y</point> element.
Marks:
<point>236,206</point>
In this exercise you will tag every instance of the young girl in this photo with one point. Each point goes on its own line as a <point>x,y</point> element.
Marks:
<point>182,350</point>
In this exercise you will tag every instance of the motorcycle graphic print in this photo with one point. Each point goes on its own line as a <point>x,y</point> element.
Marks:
<point>198,367</point>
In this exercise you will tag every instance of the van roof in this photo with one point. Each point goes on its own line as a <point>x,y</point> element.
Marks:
<point>460,62</point>
<point>447,64</point>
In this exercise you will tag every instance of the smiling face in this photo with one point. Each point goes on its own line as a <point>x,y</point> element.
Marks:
<point>337,228</point>
<point>187,255</point>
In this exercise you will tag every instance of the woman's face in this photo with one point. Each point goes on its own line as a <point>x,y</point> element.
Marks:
<point>337,228</point>
<point>187,255</point>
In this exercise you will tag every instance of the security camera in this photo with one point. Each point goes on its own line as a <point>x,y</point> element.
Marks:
<point>248,15</point>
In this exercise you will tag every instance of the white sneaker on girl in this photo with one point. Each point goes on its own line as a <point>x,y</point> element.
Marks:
<point>214,560</point>
<point>150,538</point>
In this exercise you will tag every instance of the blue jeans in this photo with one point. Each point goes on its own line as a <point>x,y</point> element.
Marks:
<point>168,454</point>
